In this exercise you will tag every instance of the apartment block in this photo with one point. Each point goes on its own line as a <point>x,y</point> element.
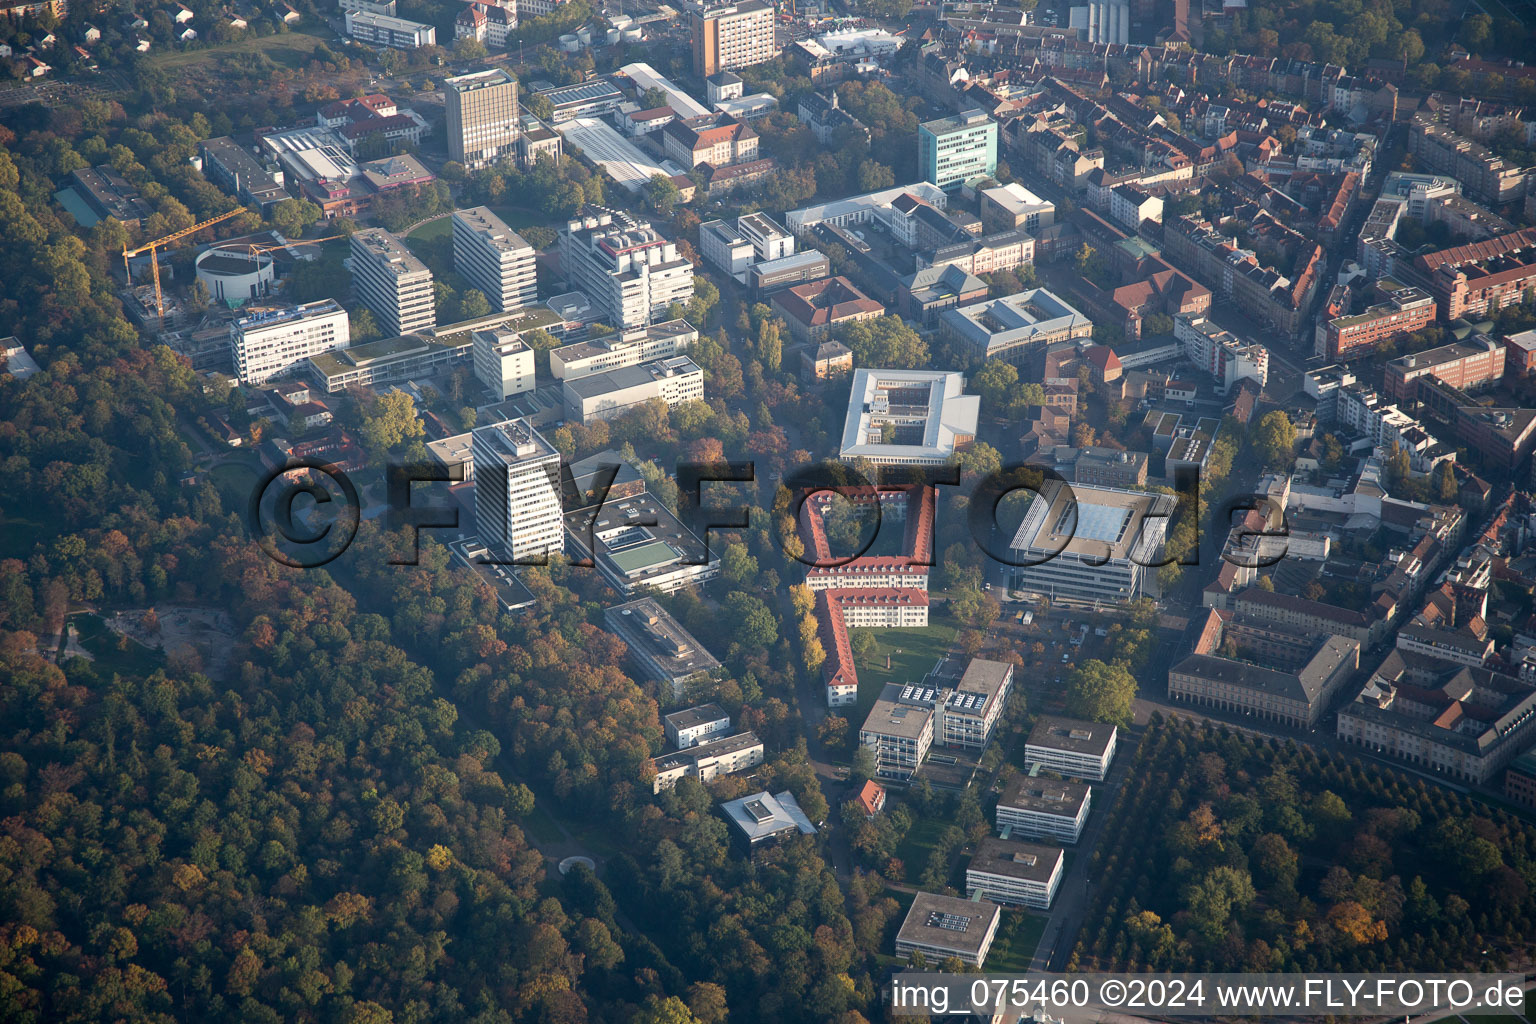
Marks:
<point>618,350</point>
<point>277,342</point>
<point>608,395</point>
<point>1014,873</point>
<point>482,113</point>
<point>503,363</point>
<point>729,36</point>
<point>495,259</point>
<point>953,150</point>
<point>692,726</point>
<point>517,492</point>
<point>1044,808</point>
<point>1227,358</point>
<point>391,281</point>
<point>707,761</point>
<point>628,269</point>
<point>1481,278</point>
<point>1438,148</point>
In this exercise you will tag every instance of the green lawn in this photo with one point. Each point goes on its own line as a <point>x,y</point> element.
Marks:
<point>913,653</point>
<point>234,482</point>
<point>113,652</point>
<point>441,227</point>
<point>918,844</point>
<point>1018,936</point>
<point>518,217</point>
<point>291,49</point>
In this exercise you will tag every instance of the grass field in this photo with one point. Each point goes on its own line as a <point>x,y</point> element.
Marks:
<point>442,227</point>
<point>234,483</point>
<point>291,49</point>
<point>113,652</point>
<point>1018,936</point>
<point>913,653</point>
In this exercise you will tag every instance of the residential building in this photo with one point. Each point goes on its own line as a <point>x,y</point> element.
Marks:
<point>1227,358</point>
<point>1465,723</point>
<point>1016,327</point>
<point>1440,149</point>
<point>276,342</point>
<point>612,393</point>
<point>763,819</point>
<point>503,363</point>
<point>693,726</point>
<point>517,492</point>
<point>621,349</point>
<point>1090,545</point>
<point>1271,673</point>
<point>730,36</point>
<point>812,310</point>
<point>391,281</point>
<point>1014,873</point>
<point>1481,278</point>
<point>482,112</point>
<point>495,259</point>
<point>630,271</point>
<point>660,647</point>
<point>956,149</point>
<point>383,30</point>
<point>1405,310</point>
<point>1129,206</point>
<point>907,417</point>
<point>1012,206</point>
<point>1069,746</point>
<point>728,755</point>
<point>940,927</point>
<point>1041,808</point>
<point>1476,363</point>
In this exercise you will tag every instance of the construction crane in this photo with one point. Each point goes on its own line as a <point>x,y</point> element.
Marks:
<point>154,254</point>
<point>253,249</point>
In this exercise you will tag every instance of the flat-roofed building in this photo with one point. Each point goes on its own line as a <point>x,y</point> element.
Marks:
<point>1011,206</point>
<point>908,417</point>
<point>503,363</point>
<point>612,393</point>
<point>383,30</point>
<point>941,927</point>
<point>595,98</point>
<point>109,194</point>
<point>659,646</point>
<point>956,149</point>
<point>1109,467</point>
<point>727,755</point>
<point>1223,355</point>
<point>229,165</point>
<point>1044,808</point>
<point>732,35</point>
<point>1404,311</point>
<point>763,819</point>
<point>1014,873</point>
<point>517,492</point>
<point>482,115</point>
<point>620,349</point>
<point>968,713</point>
<point>1090,544</point>
<point>387,361</point>
<point>456,454</point>
<point>763,279</point>
<point>1015,326</point>
<point>769,240</point>
<point>495,259</point>
<point>391,281</point>
<point>639,545</point>
<point>1476,363</point>
<point>275,342</point>
<point>898,733</point>
<point>1070,746</point>
<point>629,270</point>
<point>725,247</point>
<point>692,726</point>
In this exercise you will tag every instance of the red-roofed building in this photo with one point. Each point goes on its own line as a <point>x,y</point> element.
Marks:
<point>871,798</point>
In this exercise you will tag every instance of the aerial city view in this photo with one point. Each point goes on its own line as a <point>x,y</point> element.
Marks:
<point>829,511</point>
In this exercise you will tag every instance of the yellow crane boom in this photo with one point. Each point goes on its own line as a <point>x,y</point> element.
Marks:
<point>154,255</point>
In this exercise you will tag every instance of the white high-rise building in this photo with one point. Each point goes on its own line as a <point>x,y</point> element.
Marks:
<point>392,282</point>
<point>517,492</point>
<point>503,363</point>
<point>482,115</point>
<point>625,267</point>
<point>270,343</point>
<point>495,259</point>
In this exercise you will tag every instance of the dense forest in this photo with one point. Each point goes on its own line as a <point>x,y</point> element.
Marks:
<point>1228,853</point>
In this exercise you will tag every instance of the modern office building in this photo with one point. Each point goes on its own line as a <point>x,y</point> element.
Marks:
<point>762,819</point>
<point>391,281</point>
<point>608,395</point>
<point>661,649</point>
<point>229,165</point>
<point>621,349</point>
<point>517,492</point>
<point>1404,311</point>
<point>908,417</point>
<point>953,150</point>
<point>1016,326</point>
<point>1090,545</point>
<point>770,241</point>
<point>728,36</point>
<point>1018,874</point>
<point>483,123</point>
<point>1072,747</point>
<point>495,259</point>
<point>503,363</point>
<point>1044,808</point>
<point>629,270</point>
<point>941,927</point>
<point>724,756</point>
<point>692,726</point>
<point>387,361</point>
<point>275,342</point>
<point>383,30</point>
<point>638,545</point>
<point>725,247</point>
<point>905,722</point>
